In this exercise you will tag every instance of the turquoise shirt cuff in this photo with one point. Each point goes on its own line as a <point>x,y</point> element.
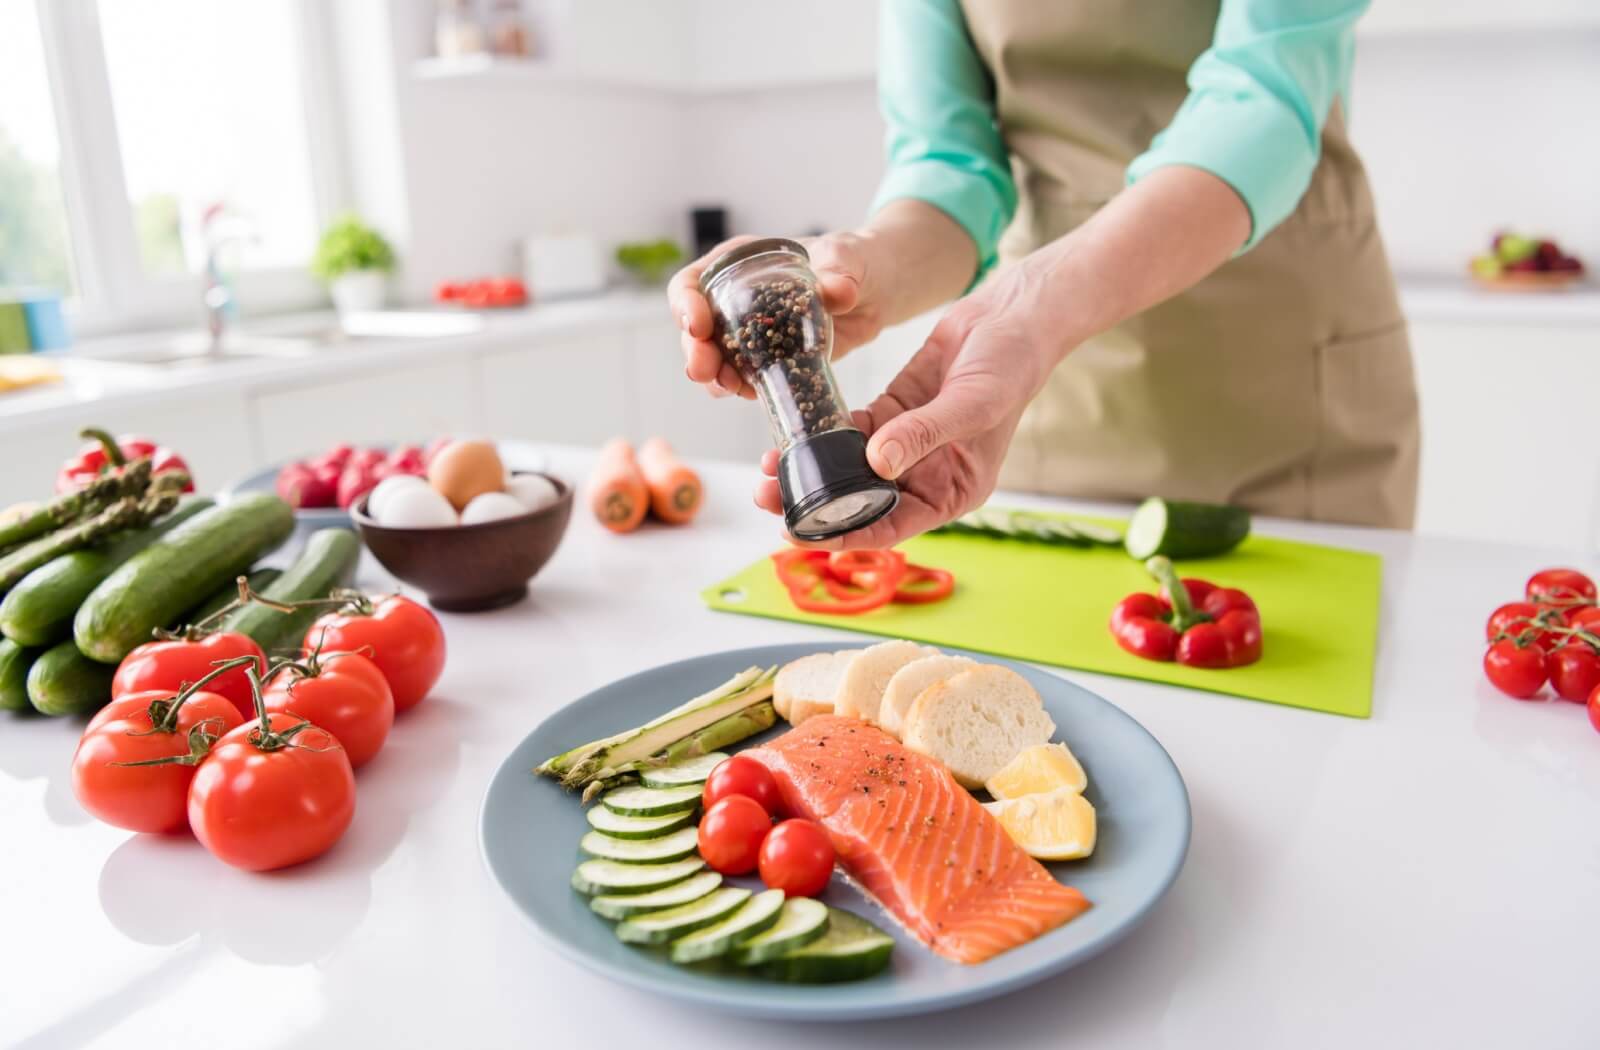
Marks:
<point>967,196</point>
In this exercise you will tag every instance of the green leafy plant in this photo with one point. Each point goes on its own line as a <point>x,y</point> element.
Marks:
<point>649,261</point>
<point>350,245</point>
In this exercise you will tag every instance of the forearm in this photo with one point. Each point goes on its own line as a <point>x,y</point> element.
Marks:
<point>917,257</point>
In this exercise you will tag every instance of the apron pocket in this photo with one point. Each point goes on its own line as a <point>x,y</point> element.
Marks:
<point>1364,471</point>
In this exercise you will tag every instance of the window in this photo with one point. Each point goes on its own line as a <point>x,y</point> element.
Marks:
<point>33,217</point>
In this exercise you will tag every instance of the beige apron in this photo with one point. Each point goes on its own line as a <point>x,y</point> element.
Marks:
<point>1283,381</point>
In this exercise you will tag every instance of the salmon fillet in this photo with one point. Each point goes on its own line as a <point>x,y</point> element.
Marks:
<point>916,840</point>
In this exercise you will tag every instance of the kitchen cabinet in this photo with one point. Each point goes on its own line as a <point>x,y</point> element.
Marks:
<point>572,387</point>
<point>412,403</point>
<point>666,403</point>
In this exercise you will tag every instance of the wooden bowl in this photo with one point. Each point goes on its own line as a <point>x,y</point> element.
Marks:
<point>468,568</point>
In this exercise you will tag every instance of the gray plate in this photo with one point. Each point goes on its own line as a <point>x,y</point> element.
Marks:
<point>529,831</point>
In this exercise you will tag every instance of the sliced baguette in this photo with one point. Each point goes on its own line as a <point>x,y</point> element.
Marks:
<point>976,722</point>
<point>906,684</point>
<point>868,675</point>
<point>807,686</point>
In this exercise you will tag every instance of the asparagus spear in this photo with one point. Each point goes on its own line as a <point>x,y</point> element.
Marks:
<point>94,497</point>
<point>125,513</point>
<point>719,734</point>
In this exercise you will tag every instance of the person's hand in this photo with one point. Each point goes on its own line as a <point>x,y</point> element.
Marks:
<point>838,260</point>
<point>943,426</point>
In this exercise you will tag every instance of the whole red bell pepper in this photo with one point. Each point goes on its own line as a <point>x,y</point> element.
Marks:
<point>104,454</point>
<point>1191,621</point>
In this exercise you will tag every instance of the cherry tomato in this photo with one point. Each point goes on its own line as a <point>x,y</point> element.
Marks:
<point>1587,617</point>
<point>261,802</point>
<point>404,639</point>
<point>745,776</point>
<point>137,727</point>
<point>170,665</point>
<point>1515,670</point>
<point>1574,671</point>
<point>1514,618</point>
<point>343,693</point>
<point>797,858</point>
<point>1556,584</point>
<point>1594,709</point>
<point>731,833</point>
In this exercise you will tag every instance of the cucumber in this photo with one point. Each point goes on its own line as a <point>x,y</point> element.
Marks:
<point>595,877</point>
<point>1096,533</point>
<point>39,609</point>
<point>650,802</point>
<point>852,948</point>
<point>62,681</point>
<point>1182,530</point>
<point>176,572</point>
<point>659,927</point>
<point>1041,528</point>
<point>626,906</point>
<point>259,579</point>
<point>801,921</point>
<point>620,827</point>
<point>755,915</point>
<point>328,561</point>
<point>693,771</point>
<point>14,664</point>
<point>675,846</point>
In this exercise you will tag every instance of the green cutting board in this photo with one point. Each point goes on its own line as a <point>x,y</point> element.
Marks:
<point>1028,601</point>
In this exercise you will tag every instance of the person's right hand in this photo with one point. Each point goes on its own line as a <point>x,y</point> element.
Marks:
<point>838,260</point>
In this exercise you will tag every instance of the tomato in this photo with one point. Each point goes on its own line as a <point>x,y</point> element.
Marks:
<point>403,638</point>
<point>797,858</point>
<point>1556,584</point>
<point>170,665</point>
<point>1587,617</point>
<point>1514,618</point>
<point>1594,709</point>
<point>265,800</point>
<point>1574,671</point>
<point>343,693</point>
<point>741,775</point>
<point>731,834</point>
<point>139,727</point>
<point>1516,670</point>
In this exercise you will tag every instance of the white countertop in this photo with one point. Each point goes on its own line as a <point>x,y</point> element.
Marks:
<point>1425,878</point>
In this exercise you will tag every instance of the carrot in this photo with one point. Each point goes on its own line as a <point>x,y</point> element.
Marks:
<point>617,492</point>
<point>675,490</point>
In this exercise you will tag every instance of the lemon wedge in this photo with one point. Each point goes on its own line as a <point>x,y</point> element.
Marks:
<point>1037,769</point>
<point>1055,825</point>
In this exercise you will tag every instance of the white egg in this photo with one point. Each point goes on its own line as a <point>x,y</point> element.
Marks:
<point>491,506</point>
<point>533,491</point>
<point>417,507</point>
<point>385,490</point>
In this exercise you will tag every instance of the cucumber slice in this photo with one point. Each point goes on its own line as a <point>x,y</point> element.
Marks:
<point>1096,533</point>
<point>620,827</point>
<point>659,927</point>
<point>628,905</point>
<point>1050,530</point>
<point>608,876</point>
<point>675,846</point>
<point>694,771</point>
<point>852,948</point>
<point>1182,530</point>
<point>801,921</point>
<point>650,802</point>
<point>755,915</point>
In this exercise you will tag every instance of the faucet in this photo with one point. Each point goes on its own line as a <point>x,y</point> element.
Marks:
<point>220,231</point>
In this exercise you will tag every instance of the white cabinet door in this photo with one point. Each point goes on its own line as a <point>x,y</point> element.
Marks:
<point>413,403</point>
<point>667,404</point>
<point>573,389</point>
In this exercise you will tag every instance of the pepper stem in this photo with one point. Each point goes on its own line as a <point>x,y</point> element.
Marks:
<point>113,451</point>
<point>1184,614</point>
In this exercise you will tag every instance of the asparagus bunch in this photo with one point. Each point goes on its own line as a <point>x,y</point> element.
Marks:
<point>131,480</point>
<point>722,733</point>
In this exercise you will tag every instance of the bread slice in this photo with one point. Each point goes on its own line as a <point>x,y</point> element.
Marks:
<point>807,686</point>
<point>868,675</point>
<point>908,683</point>
<point>977,721</point>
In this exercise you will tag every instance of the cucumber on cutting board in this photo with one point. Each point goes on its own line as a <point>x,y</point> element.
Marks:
<point>625,906</point>
<point>595,877</point>
<point>620,827</point>
<point>659,927</point>
<point>181,569</point>
<point>850,949</point>
<point>692,771</point>
<point>259,579</point>
<point>40,608</point>
<point>1180,530</point>
<point>801,921</point>
<point>675,846</point>
<point>14,664</point>
<point>636,801</point>
<point>328,561</point>
<point>62,681</point>
<point>711,942</point>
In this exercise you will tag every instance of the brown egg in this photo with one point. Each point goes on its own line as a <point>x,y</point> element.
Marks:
<point>465,469</point>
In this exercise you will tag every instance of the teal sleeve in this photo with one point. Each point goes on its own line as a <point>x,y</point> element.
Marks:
<point>1258,99</point>
<point>944,146</point>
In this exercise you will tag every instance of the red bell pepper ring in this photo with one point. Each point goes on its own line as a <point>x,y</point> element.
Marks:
<point>1194,622</point>
<point>857,581</point>
<point>922,584</point>
<point>104,454</point>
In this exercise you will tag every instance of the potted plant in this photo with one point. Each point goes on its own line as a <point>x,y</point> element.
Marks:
<point>354,261</point>
<point>650,262</point>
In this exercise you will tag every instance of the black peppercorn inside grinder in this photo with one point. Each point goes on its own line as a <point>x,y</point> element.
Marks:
<point>771,325</point>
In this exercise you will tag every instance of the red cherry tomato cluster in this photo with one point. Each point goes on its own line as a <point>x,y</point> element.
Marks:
<point>483,292</point>
<point>847,583</point>
<point>264,778</point>
<point>737,835</point>
<point>342,474</point>
<point>1552,636</point>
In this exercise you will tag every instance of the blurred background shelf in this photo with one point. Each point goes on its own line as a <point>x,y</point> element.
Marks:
<point>1449,299</point>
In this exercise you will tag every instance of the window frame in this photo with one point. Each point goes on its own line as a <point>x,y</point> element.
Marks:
<point>114,293</point>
